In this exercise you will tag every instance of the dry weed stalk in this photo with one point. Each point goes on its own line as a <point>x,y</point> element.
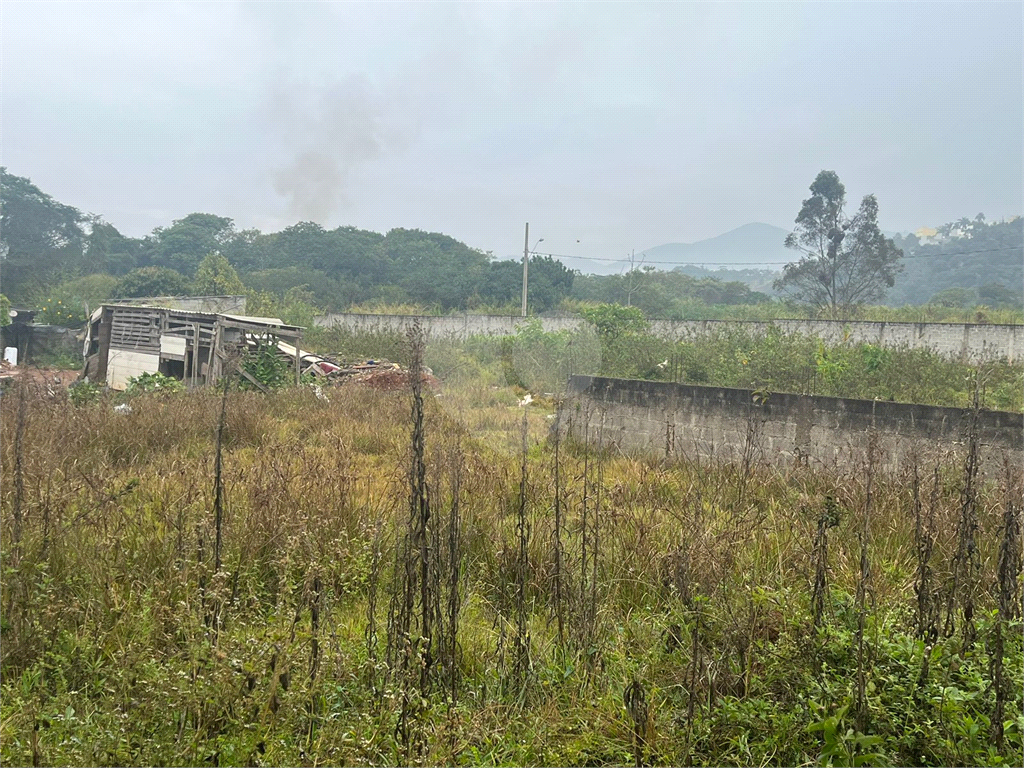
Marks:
<point>924,543</point>
<point>521,644</point>
<point>201,568</point>
<point>966,562</point>
<point>413,606</point>
<point>827,518</point>
<point>596,543</point>
<point>751,442</point>
<point>19,469</point>
<point>696,663</point>
<point>584,638</point>
<point>315,605</point>
<point>1008,588</point>
<point>218,508</point>
<point>372,587</point>
<point>635,699</point>
<point>558,553</point>
<point>864,586</point>
<point>454,571</point>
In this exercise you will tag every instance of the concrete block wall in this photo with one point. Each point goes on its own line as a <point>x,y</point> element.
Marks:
<point>959,341</point>
<point>446,327</point>
<point>672,420</point>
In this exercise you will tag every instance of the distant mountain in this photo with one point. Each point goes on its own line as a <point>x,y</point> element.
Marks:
<point>760,280</point>
<point>752,245</point>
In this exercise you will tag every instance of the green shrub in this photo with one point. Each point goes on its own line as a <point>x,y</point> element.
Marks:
<point>153,382</point>
<point>55,311</point>
<point>68,302</point>
<point>614,320</point>
<point>84,392</point>
<point>267,366</point>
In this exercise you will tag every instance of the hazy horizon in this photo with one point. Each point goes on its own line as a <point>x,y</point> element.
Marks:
<point>621,126</point>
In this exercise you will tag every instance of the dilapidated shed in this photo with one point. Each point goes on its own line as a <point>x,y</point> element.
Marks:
<point>196,347</point>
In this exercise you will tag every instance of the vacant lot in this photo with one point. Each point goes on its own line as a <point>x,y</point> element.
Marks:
<point>354,595</point>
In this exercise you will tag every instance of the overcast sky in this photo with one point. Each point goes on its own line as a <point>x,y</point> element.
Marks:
<point>619,125</point>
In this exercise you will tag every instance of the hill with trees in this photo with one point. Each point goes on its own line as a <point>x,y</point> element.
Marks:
<point>54,249</point>
<point>964,263</point>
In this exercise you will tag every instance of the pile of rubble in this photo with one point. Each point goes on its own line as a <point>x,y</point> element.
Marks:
<point>378,374</point>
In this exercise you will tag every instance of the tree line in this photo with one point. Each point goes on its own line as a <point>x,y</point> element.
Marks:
<point>966,263</point>
<point>53,250</point>
<point>56,258</point>
<point>48,243</point>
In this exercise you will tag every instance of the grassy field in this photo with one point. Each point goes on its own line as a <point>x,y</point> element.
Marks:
<point>777,362</point>
<point>373,587</point>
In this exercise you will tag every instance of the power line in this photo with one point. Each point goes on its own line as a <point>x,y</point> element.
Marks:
<point>652,261</point>
<point>765,263</point>
<point>964,253</point>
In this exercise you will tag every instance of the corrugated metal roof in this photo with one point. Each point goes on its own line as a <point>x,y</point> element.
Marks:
<point>258,320</point>
<point>251,319</point>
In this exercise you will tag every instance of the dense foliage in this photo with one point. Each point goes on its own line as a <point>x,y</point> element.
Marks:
<point>667,295</point>
<point>50,243</point>
<point>43,239</point>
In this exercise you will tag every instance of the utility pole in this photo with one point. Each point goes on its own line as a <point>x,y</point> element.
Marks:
<point>634,281</point>
<point>526,261</point>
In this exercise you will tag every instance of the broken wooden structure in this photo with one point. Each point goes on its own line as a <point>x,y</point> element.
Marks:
<point>197,348</point>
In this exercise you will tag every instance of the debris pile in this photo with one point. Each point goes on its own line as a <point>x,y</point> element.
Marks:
<point>378,374</point>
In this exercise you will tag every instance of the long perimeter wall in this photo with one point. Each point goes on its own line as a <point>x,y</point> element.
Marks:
<point>673,420</point>
<point>962,341</point>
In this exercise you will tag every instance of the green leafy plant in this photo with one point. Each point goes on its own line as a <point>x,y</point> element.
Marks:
<point>153,382</point>
<point>216,277</point>
<point>875,357</point>
<point>84,392</point>
<point>614,320</point>
<point>55,311</point>
<point>843,745</point>
<point>830,364</point>
<point>267,366</point>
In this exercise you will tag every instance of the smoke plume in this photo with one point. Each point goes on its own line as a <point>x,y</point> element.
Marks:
<point>326,135</point>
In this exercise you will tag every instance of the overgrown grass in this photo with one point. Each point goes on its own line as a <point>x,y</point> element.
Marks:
<point>733,357</point>
<point>768,310</point>
<point>700,579</point>
<point>781,362</point>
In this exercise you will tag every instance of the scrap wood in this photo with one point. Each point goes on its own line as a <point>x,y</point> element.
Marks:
<point>258,384</point>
